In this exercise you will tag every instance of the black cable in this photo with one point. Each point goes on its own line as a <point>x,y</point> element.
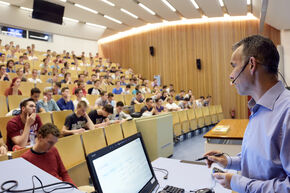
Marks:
<point>15,184</point>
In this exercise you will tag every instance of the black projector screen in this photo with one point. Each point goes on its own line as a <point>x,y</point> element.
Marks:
<point>47,11</point>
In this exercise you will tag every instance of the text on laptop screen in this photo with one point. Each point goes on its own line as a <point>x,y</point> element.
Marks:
<point>123,170</point>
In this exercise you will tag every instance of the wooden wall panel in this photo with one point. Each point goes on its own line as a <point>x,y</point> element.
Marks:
<point>176,51</point>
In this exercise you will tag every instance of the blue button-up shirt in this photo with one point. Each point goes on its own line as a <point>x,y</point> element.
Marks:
<point>265,158</point>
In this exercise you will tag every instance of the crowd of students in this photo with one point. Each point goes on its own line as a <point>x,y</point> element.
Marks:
<point>26,128</point>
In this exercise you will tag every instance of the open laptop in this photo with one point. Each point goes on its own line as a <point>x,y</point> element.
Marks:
<point>122,167</point>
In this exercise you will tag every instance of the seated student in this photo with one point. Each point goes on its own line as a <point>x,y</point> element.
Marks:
<point>35,94</point>
<point>122,81</point>
<point>171,106</point>
<point>189,94</point>
<point>47,103</point>
<point>138,99</point>
<point>65,103</point>
<point>81,78</point>
<point>111,100</point>
<point>199,102</point>
<point>180,96</point>
<point>207,101</point>
<point>34,78</point>
<point>100,116</point>
<point>45,156</point>
<point>118,89</point>
<point>56,88</point>
<point>183,104</point>
<point>22,128</point>
<point>20,60</point>
<point>137,89</point>
<point>96,90</point>
<point>146,88</point>
<point>3,147</point>
<point>127,89</point>
<point>102,100</point>
<point>14,87</point>
<point>191,103</point>
<point>171,93</point>
<point>148,108</point>
<point>67,78</point>
<point>9,66</point>
<point>119,115</point>
<point>154,83</point>
<point>93,79</point>
<point>164,95</point>
<point>3,74</point>
<point>80,85</point>
<point>26,68</point>
<point>159,107</point>
<point>79,121</point>
<point>54,78</point>
<point>80,97</point>
<point>20,74</point>
<point>170,88</point>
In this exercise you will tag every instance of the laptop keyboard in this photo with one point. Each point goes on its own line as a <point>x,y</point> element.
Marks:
<point>172,189</point>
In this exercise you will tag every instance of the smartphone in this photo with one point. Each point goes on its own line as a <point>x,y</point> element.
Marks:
<point>216,170</point>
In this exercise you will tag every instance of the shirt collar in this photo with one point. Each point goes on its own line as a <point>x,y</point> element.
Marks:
<point>269,98</point>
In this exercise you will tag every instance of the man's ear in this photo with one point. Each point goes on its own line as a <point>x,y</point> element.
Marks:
<point>253,65</point>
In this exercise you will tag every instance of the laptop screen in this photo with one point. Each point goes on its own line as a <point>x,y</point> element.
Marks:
<point>122,167</point>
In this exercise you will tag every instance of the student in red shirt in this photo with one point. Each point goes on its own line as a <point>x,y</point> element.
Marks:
<point>45,156</point>
<point>22,128</point>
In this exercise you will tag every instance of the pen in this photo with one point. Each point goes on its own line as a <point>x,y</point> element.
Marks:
<point>205,157</point>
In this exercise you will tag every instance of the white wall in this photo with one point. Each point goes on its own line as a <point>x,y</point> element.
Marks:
<point>285,42</point>
<point>59,44</point>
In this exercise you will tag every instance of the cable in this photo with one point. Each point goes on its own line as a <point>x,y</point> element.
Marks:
<point>15,184</point>
<point>283,79</point>
<point>161,169</point>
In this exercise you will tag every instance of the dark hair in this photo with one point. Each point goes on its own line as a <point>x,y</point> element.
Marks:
<point>187,99</point>
<point>119,104</point>
<point>262,49</point>
<point>137,87</point>
<point>24,103</point>
<point>34,90</point>
<point>165,86</point>
<point>64,88</point>
<point>148,99</point>
<point>108,108</point>
<point>110,94</point>
<point>2,66</point>
<point>77,90</point>
<point>96,81</point>
<point>138,92</point>
<point>201,97</point>
<point>103,93</point>
<point>82,104</point>
<point>79,82</point>
<point>128,86</point>
<point>58,84</point>
<point>80,75</point>
<point>47,129</point>
<point>182,91</point>
<point>9,62</point>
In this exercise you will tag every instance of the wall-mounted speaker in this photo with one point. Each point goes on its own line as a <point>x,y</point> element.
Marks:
<point>198,64</point>
<point>151,49</point>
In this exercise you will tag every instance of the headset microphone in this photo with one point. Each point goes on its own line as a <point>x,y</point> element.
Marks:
<point>244,67</point>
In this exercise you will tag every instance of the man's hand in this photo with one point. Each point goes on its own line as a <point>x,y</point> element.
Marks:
<point>224,179</point>
<point>30,119</point>
<point>79,131</point>
<point>221,161</point>
<point>44,99</point>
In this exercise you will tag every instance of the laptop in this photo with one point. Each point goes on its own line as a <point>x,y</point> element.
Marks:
<point>122,167</point>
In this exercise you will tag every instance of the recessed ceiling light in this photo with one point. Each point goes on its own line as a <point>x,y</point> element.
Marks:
<point>86,8</point>
<point>113,19</point>
<point>4,3</point>
<point>147,9</point>
<point>26,9</point>
<point>96,25</point>
<point>129,13</point>
<point>109,3</point>
<point>221,3</point>
<point>169,5</point>
<point>194,4</point>
<point>70,19</point>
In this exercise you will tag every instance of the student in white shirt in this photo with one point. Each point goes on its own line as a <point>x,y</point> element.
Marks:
<point>34,78</point>
<point>171,106</point>
<point>80,97</point>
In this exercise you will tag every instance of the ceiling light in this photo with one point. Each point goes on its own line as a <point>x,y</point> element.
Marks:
<point>108,2</point>
<point>248,2</point>
<point>113,19</point>
<point>129,13</point>
<point>63,1</point>
<point>4,3</point>
<point>70,19</point>
<point>221,3</point>
<point>194,4</point>
<point>169,5</point>
<point>147,9</point>
<point>204,17</point>
<point>96,25</point>
<point>86,8</point>
<point>26,9</point>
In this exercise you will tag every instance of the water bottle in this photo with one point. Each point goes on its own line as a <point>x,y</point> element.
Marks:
<point>32,138</point>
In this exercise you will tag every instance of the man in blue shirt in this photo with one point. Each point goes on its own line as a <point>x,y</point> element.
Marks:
<point>65,103</point>
<point>265,160</point>
<point>118,89</point>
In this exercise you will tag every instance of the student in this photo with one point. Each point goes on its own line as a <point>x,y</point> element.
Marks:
<point>35,94</point>
<point>14,87</point>
<point>127,89</point>
<point>65,103</point>
<point>20,74</point>
<point>99,117</point>
<point>102,100</point>
<point>159,107</point>
<point>22,128</point>
<point>93,79</point>
<point>264,161</point>
<point>45,156</point>
<point>96,90</point>
<point>80,97</point>
<point>3,147</point>
<point>148,108</point>
<point>118,115</point>
<point>34,78</point>
<point>111,100</point>
<point>118,89</point>
<point>3,74</point>
<point>180,96</point>
<point>79,121</point>
<point>80,85</point>
<point>47,103</point>
<point>171,106</point>
<point>10,65</point>
<point>138,99</point>
<point>67,78</point>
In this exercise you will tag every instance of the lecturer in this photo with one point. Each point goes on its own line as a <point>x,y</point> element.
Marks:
<point>265,158</point>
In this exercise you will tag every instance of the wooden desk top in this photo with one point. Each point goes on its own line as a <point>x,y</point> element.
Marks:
<point>236,131</point>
